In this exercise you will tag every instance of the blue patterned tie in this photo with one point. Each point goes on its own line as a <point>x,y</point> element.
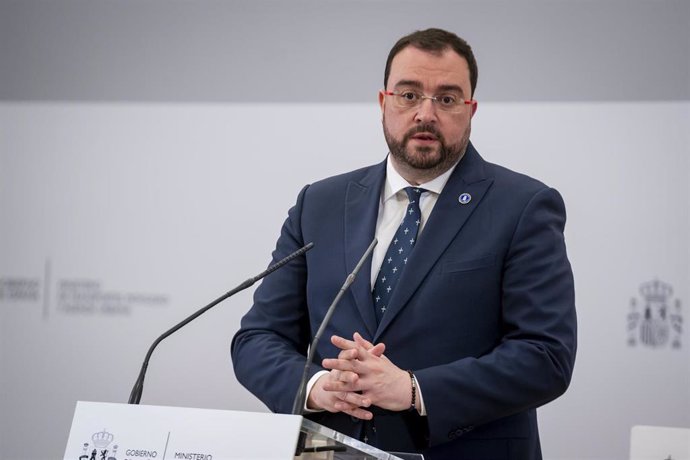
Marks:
<point>397,253</point>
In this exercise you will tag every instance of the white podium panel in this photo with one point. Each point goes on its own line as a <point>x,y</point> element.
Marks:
<point>106,431</point>
<point>659,443</point>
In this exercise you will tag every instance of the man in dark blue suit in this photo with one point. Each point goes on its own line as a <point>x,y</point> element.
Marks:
<point>469,330</point>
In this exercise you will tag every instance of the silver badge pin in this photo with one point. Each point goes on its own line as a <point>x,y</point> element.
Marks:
<point>465,198</point>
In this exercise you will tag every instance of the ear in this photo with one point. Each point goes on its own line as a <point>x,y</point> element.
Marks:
<point>382,100</point>
<point>474,108</point>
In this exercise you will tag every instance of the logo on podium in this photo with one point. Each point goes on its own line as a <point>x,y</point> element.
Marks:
<point>97,449</point>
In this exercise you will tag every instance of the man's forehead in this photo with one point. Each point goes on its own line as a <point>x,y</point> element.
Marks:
<point>411,66</point>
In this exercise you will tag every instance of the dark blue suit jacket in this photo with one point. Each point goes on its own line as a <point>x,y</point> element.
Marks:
<point>484,313</point>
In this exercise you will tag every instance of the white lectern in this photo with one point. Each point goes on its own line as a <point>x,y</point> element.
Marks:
<point>107,431</point>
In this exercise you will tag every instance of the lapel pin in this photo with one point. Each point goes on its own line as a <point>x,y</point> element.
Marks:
<point>465,198</point>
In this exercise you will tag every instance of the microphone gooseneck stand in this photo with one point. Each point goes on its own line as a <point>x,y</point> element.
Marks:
<point>301,396</point>
<point>138,388</point>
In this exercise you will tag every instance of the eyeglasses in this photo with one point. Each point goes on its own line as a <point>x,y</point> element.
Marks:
<point>450,103</point>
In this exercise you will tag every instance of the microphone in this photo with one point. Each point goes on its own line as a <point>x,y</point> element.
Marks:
<point>301,396</point>
<point>138,388</point>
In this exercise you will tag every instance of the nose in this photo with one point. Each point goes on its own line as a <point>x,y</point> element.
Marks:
<point>426,111</point>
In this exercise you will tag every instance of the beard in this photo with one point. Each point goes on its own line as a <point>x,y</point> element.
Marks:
<point>433,160</point>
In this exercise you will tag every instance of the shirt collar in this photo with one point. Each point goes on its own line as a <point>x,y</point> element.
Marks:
<point>395,182</point>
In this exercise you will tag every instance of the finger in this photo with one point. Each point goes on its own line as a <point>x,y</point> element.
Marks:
<point>342,343</point>
<point>342,406</point>
<point>361,341</point>
<point>347,365</point>
<point>358,412</point>
<point>334,375</point>
<point>349,377</point>
<point>342,376</point>
<point>337,386</point>
<point>376,350</point>
<point>350,354</point>
<point>352,409</point>
<point>356,399</point>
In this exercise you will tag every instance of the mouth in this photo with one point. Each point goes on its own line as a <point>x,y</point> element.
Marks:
<point>424,137</point>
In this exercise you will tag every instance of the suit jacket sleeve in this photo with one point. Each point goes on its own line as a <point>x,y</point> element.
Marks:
<point>533,361</point>
<point>268,352</point>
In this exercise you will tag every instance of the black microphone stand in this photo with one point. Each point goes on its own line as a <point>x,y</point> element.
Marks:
<point>138,388</point>
<point>301,396</point>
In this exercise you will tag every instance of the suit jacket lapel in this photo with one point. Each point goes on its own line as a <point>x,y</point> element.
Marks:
<point>445,221</point>
<point>361,211</point>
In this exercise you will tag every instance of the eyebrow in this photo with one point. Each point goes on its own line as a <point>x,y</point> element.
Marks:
<point>413,83</point>
<point>418,85</point>
<point>451,88</point>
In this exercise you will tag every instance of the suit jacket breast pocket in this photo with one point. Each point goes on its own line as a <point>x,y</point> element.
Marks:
<point>469,264</point>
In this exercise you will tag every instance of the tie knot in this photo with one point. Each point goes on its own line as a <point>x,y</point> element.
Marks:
<point>414,193</point>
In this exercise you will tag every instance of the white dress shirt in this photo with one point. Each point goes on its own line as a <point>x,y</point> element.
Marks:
<point>392,206</point>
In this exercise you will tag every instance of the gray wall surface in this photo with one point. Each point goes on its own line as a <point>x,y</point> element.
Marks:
<point>334,51</point>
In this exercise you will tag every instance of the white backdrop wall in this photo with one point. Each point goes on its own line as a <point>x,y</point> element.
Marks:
<point>132,135</point>
<point>120,219</point>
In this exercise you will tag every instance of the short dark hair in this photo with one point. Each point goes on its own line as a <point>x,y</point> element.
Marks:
<point>434,41</point>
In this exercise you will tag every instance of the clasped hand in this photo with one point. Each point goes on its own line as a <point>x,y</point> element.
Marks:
<point>359,377</point>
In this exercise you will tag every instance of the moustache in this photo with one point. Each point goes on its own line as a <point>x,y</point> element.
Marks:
<point>424,128</point>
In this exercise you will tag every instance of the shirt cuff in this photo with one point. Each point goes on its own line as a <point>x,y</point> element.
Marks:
<point>422,408</point>
<point>310,385</point>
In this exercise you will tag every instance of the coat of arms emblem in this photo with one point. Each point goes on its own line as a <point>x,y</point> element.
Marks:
<point>655,319</point>
<point>98,448</point>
